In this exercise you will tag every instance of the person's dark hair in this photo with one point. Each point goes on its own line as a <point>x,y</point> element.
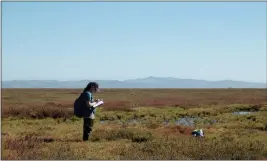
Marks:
<point>90,86</point>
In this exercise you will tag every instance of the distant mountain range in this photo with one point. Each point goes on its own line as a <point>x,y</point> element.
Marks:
<point>149,82</point>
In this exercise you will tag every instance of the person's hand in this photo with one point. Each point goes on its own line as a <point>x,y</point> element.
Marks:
<point>97,100</point>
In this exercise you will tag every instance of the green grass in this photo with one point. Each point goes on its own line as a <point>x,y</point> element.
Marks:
<point>39,124</point>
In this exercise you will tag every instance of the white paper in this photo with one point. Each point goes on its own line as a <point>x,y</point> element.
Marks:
<point>98,103</point>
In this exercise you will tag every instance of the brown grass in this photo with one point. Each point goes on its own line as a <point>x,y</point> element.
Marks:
<point>41,103</point>
<point>135,135</point>
<point>184,147</point>
<point>134,127</point>
<point>32,111</point>
<point>177,129</point>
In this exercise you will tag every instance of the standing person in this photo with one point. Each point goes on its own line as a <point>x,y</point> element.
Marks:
<point>83,107</point>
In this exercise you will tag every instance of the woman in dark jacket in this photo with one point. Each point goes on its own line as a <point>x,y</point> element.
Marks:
<point>83,107</point>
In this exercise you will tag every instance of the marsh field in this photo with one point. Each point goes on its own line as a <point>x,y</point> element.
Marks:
<point>136,124</point>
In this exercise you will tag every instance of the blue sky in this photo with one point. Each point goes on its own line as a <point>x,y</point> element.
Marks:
<point>103,40</point>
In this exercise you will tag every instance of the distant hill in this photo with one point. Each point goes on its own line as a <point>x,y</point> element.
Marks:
<point>149,82</point>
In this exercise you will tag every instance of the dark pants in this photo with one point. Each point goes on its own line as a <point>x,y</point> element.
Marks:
<point>87,128</point>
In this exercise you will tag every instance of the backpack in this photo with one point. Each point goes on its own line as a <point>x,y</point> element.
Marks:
<point>78,107</point>
<point>198,133</point>
<point>81,108</point>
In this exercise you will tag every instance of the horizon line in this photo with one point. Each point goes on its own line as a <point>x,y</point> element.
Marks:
<point>130,79</point>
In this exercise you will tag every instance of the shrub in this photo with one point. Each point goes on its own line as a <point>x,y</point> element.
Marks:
<point>125,133</point>
<point>37,112</point>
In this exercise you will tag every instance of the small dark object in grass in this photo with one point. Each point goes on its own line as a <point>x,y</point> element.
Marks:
<point>48,140</point>
<point>198,133</point>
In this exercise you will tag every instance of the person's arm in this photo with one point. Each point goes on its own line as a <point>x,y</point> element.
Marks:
<point>89,100</point>
<point>91,104</point>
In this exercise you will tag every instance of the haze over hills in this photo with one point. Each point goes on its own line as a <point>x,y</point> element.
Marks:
<point>149,82</point>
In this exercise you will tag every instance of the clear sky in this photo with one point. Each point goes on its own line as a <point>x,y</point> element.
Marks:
<point>123,40</point>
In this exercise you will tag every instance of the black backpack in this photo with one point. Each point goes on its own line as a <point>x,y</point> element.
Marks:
<point>78,107</point>
<point>81,108</point>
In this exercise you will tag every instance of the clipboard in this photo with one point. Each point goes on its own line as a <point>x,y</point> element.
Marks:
<point>98,104</point>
